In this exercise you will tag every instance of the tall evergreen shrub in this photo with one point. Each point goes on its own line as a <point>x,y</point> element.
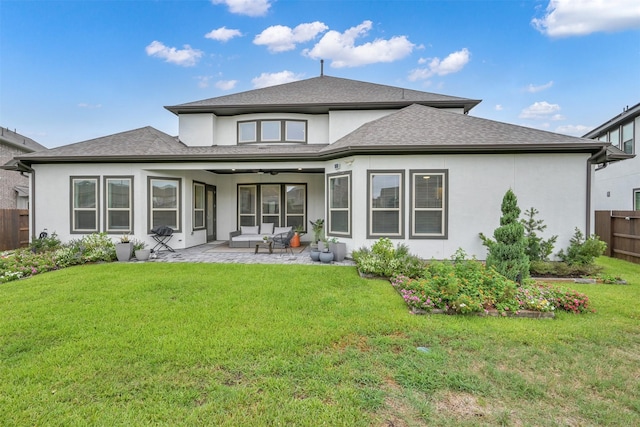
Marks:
<point>507,253</point>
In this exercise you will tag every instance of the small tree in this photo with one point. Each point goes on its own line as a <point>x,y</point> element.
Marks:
<point>582,251</point>
<point>537,249</point>
<point>507,253</point>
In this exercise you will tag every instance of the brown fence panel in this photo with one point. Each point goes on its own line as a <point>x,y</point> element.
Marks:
<point>625,235</point>
<point>603,228</point>
<point>14,229</point>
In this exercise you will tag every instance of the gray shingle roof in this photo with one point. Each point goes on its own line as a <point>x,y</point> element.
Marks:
<point>435,129</point>
<point>21,142</point>
<point>321,94</point>
<point>412,129</point>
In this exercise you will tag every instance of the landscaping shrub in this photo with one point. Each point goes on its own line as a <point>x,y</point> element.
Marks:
<point>386,261</point>
<point>461,286</point>
<point>48,254</point>
<point>582,251</point>
<point>507,253</point>
<point>467,286</point>
<point>562,269</point>
<point>537,249</point>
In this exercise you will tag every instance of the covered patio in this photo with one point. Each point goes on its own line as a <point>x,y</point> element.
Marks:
<point>219,252</point>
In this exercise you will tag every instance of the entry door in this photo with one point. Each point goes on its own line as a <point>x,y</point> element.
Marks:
<point>211,213</point>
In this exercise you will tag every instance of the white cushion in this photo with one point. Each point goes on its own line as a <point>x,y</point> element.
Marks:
<point>280,230</point>
<point>244,229</point>
<point>266,228</point>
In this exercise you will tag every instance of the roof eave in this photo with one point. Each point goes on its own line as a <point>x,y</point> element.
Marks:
<point>229,110</point>
<point>325,154</point>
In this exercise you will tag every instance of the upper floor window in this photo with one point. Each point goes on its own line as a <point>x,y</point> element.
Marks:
<point>272,131</point>
<point>626,144</point>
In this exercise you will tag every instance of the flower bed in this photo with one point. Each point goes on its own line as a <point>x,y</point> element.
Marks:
<point>468,287</point>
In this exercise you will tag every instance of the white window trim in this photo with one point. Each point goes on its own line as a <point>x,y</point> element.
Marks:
<point>286,131</point>
<point>303,215</point>
<point>108,209</point>
<point>279,204</point>
<point>278,139</point>
<point>444,209</point>
<point>370,209</point>
<point>255,132</point>
<point>177,209</point>
<point>96,209</point>
<point>330,230</point>
<point>255,204</point>
<point>196,209</point>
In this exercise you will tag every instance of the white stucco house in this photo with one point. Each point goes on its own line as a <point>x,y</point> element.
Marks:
<point>372,160</point>
<point>617,184</point>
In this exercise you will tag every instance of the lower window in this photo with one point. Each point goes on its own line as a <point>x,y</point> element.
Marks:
<point>385,204</point>
<point>84,205</point>
<point>636,199</point>
<point>339,217</point>
<point>284,205</point>
<point>428,217</point>
<point>164,203</point>
<point>118,204</point>
<point>198,205</point>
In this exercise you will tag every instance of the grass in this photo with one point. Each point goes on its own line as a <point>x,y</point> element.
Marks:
<point>227,344</point>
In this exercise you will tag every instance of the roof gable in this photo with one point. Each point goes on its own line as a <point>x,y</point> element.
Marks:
<point>143,142</point>
<point>320,94</point>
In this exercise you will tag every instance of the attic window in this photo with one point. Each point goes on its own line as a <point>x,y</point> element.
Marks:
<point>272,131</point>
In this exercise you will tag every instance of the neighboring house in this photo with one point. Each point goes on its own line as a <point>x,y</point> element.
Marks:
<point>373,160</point>
<point>14,187</point>
<point>617,184</point>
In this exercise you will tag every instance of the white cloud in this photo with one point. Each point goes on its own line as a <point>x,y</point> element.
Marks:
<point>499,107</point>
<point>246,7</point>
<point>223,34</point>
<point>342,51</point>
<point>558,117</point>
<point>540,110</point>
<point>226,84</point>
<point>564,18</point>
<point>272,79</point>
<point>451,64</point>
<point>279,38</point>
<point>186,57</point>
<point>533,89</point>
<point>203,81</point>
<point>89,106</point>
<point>575,130</point>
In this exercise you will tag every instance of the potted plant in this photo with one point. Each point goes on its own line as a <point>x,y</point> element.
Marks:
<point>317,228</point>
<point>338,248</point>
<point>140,251</point>
<point>123,248</point>
<point>326,256</point>
<point>295,240</point>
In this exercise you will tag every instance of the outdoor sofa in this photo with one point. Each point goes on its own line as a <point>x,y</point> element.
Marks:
<point>247,236</point>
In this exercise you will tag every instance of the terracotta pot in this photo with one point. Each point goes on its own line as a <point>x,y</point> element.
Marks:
<point>295,240</point>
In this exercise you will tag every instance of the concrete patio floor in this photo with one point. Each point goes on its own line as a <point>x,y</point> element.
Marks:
<point>219,251</point>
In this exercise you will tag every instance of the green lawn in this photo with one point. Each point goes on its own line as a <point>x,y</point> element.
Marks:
<point>216,344</point>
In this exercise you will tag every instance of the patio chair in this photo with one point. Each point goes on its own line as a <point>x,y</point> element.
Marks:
<point>283,241</point>
<point>162,234</point>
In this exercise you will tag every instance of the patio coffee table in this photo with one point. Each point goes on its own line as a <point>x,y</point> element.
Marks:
<point>263,244</point>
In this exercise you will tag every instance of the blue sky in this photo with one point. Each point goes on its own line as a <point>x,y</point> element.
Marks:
<point>76,70</point>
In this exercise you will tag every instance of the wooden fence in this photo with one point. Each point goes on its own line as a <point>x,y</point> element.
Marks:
<point>621,231</point>
<point>14,228</point>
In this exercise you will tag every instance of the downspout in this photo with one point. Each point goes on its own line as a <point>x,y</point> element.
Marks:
<point>590,162</point>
